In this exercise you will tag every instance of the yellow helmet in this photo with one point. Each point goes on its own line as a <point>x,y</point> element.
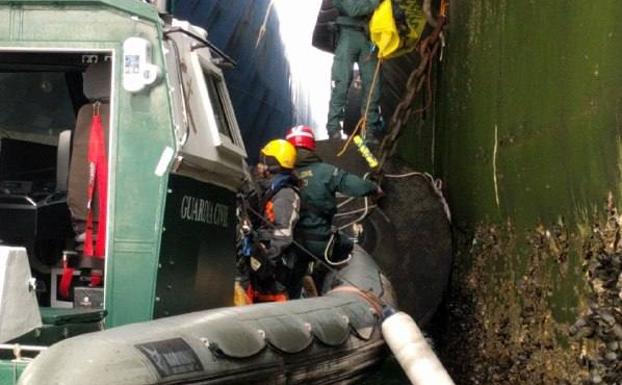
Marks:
<point>281,150</point>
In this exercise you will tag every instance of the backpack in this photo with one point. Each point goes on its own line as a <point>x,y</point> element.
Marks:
<point>325,32</point>
<point>396,26</point>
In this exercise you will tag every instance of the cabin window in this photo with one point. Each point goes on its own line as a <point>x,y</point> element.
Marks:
<point>211,111</point>
<point>211,147</point>
<point>215,87</point>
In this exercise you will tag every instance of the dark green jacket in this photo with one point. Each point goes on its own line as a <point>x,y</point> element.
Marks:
<point>320,182</point>
<point>355,13</point>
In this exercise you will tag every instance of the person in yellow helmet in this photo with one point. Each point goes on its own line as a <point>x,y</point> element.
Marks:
<point>273,257</point>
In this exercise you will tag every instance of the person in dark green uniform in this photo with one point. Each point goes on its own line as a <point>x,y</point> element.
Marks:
<point>320,182</point>
<point>354,46</point>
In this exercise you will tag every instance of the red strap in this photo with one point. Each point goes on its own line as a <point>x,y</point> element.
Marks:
<point>264,297</point>
<point>98,180</point>
<point>250,294</point>
<point>65,281</point>
<point>269,212</point>
<point>96,279</point>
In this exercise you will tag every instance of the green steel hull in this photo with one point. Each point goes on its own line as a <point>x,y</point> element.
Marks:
<point>525,133</point>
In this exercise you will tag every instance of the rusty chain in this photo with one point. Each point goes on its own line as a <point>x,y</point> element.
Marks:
<point>420,76</point>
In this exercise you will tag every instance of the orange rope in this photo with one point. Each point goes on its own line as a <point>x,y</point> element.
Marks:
<point>373,84</point>
<point>361,123</point>
<point>443,8</point>
<point>368,296</point>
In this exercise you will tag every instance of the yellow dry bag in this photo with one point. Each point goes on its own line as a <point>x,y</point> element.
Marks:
<point>396,26</point>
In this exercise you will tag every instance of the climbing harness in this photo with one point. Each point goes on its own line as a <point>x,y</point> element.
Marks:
<point>251,251</point>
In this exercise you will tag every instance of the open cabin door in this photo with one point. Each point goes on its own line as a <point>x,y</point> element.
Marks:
<point>47,105</point>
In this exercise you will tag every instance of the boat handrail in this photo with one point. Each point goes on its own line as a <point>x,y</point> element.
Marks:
<point>19,348</point>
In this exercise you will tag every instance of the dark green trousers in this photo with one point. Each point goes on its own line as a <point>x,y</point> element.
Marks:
<point>353,47</point>
<point>341,249</point>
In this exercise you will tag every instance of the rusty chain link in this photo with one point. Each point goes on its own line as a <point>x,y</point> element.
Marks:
<point>420,76</point>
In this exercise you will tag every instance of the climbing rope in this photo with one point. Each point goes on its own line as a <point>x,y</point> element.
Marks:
<point>436,185</point>
<point>365,210</point>
<point>262,30</point>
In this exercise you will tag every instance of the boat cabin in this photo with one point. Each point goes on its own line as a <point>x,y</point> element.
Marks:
<point>120,157</point>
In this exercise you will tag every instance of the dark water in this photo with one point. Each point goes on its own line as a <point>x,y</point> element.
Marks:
<point>390,373</point>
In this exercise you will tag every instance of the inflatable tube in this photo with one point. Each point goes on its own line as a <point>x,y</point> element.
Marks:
<point>332,338</point>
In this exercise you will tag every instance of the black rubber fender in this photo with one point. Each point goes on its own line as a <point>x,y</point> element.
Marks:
<point>325,31</point>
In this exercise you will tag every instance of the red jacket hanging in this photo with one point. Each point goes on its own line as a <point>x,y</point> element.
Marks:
<point>98,181</point>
